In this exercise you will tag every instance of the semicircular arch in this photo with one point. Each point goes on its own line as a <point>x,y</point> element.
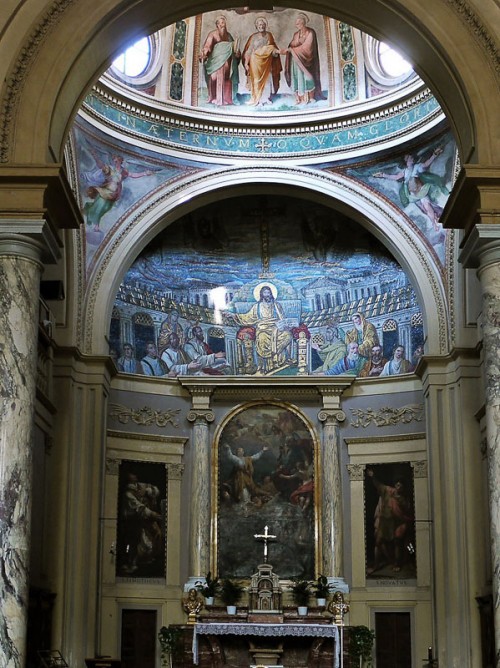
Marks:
<point>55,65</point>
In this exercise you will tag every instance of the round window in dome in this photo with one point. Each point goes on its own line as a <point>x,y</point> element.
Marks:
<point>135,60</point>
<point>391,62</point>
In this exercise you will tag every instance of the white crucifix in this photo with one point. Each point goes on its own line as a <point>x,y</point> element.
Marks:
<point>265,538</point>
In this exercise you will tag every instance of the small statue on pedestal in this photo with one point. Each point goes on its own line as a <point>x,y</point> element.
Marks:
<point>338,608</point>
<point>192,604</point>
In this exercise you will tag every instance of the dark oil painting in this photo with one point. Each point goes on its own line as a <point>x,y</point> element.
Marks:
<point>390,521</point>
<point>141,520</point>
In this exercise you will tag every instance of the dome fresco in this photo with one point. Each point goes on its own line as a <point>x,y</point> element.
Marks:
<point>279,62</point>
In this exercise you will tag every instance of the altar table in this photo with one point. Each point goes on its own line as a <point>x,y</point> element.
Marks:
<point>268,630</point>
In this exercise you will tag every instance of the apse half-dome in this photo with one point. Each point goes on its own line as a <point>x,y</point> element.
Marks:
<point>269,286</point>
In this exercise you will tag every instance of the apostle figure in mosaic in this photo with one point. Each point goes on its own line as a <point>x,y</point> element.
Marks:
<point>169,325</point>
<point>302,69</point>
<point>152,365</point>
<point>127,362</point>
<point>363,333</point>
<point>332,349</point>
<point>398,364</point>
<point>220,57</point>
<point>262,64</point>
<point>353,364</point>
<point>198,349</point>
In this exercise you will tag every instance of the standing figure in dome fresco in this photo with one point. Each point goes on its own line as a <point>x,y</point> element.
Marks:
<point>262,64</point>
<point>418,185</point>
<point>272,336</point>
<point>363,333</point>
<point>302,64</point>
<point>220,57</point>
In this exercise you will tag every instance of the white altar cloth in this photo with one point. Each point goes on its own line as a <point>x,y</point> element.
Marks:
<point>269,630</point>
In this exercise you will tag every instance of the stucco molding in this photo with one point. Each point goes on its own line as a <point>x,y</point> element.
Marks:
<point>15,82</point>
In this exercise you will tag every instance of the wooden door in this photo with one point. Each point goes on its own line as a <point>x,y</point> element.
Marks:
<point>139,641</point>
<point>393,640</point>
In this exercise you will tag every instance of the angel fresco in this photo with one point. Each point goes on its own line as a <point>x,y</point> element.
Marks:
<point>419,185</point>
<point>104,186</point>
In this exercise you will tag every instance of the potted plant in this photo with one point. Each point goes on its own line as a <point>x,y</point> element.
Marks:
<point>321,588</point>
<point>231,593</point>
<point>361,640</point>
<point>209,588</point>
<point>169,639</point>
<point>301,592</point>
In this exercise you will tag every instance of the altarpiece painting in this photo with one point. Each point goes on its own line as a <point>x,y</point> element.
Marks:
<point>266,472</point>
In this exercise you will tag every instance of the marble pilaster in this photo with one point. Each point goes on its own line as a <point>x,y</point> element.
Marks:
<point>331,489</point>
<point>20,270</point>
<point>200,485</point>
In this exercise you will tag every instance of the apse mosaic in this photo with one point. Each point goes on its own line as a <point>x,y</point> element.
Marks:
<point>266,286</point>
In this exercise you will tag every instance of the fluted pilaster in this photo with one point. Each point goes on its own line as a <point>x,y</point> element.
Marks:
<point>331,501</point>
<point>200,502</point>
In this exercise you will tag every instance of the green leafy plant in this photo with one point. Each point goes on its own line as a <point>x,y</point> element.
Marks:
<point>301,591</point>
<point>211,586</point>
<point>361,640</point>
<point>321,587</point>
<point>169,640</point>
<point>231,592</point>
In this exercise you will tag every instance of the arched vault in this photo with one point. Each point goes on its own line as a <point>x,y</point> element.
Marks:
<point>381,218</point>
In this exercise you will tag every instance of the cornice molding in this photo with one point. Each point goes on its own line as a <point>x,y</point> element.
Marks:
<point>331,138</point>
